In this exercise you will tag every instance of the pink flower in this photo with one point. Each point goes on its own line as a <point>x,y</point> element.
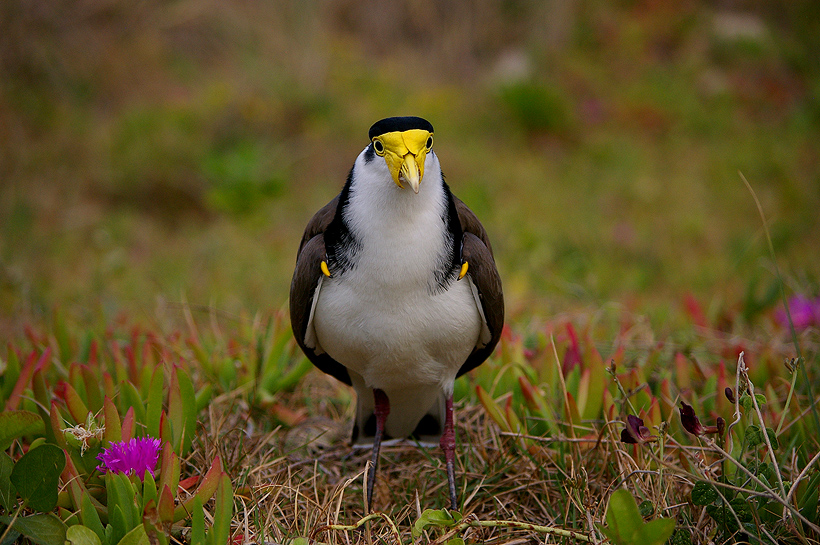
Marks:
<point>805,313</point>
<point>135,456</point>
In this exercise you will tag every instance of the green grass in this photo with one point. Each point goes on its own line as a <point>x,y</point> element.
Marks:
<point>540,429</point>
<point>608,171</point>
<point>160,162</point>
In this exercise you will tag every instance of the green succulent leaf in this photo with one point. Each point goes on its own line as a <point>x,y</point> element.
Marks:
<point>131,398</point>
<point>203,397</point>
<point>182,410</point>
<point>198,523</point>
<point>153,403</point>
<point>149,489</point>
<point>121,494</point>
<point>118,527</point>
<point>137,536</point>
<point>90,518</point>
<point>10,375</point>
<point>221,529</point>
<point>493,410</point>
<point>14,424</point>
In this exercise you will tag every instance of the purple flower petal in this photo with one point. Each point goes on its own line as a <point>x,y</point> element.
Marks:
<point>635,431</point>
<point>689,419</point>
<point>626,437</point>
<point>692,424</point>
<point>133,457</point>
<point>804,312</point>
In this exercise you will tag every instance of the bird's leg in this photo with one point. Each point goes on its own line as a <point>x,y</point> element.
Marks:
<point>448,445</point>
<point>381,409</point>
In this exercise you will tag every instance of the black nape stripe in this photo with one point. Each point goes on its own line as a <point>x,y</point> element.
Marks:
<point>369,154</point>
<point>449,263</point>
<point>340,244</point>
<point>392,124</point>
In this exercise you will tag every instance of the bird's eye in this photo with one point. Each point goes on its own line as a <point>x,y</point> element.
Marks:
<point>429,143</point>
<point>378,146</point>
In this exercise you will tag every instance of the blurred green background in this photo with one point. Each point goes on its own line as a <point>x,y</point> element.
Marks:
<point>160,152</point>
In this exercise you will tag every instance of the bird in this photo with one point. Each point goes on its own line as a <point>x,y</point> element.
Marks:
<point>396,293</point>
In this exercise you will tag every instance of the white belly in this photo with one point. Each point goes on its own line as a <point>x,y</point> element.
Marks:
<point>394,336</point>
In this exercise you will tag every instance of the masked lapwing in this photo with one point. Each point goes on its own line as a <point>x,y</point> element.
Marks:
<point>396,291</point>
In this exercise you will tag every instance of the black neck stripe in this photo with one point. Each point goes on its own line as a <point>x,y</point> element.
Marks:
<point>401,124</point>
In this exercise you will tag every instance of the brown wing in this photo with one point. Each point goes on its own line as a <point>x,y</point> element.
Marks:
<point>303,288</point>
<point>478,253</point>
<point>470,224</point>
<point>319,222</point>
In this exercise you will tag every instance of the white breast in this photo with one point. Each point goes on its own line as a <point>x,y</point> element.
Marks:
<point>382,319</point>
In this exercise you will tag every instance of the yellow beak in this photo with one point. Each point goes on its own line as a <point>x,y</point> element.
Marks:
<point>404,152</point>
<point>409,172</point>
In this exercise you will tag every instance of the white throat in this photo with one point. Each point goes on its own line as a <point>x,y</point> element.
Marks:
<point>403,235</point>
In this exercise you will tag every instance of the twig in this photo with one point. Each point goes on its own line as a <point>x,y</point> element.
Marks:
<point>471,521</point>
<point>751,388</point>
<point>741,369</point>
<point>531,527</point>
<point>801,476</point>
<point>362,521</point>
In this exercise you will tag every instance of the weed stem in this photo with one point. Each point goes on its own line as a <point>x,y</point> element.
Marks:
<point>777,472</point>
<point>361,522</point>
<point>786,304</point>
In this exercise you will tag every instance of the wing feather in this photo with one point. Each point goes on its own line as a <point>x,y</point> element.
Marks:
<point>305,287</point>
<point>485,283</point>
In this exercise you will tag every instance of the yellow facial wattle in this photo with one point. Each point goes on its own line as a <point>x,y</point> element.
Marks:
<point>404,152</point>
